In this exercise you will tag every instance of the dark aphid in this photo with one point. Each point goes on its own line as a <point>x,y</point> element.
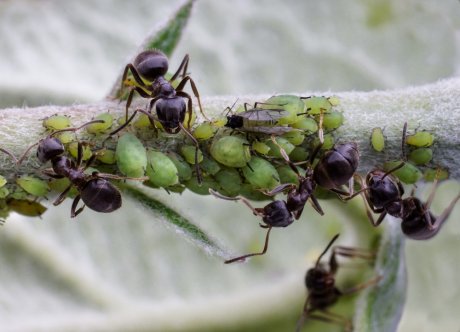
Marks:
<point>274,214</point>
<point>258,120</point>
<point>322,291</point>
<point>168,101</point>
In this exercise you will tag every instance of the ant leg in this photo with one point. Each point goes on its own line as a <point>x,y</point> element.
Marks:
<point>116,177</point>
<point>237,198</point>
<point>326,317</point>
<point>180,87</point>
<point>74,213</point>
<point>364,285</point>
<point>9,154</point>
<point>75,128</point>
<point>279,189</point>
<point>62,196</point>
<point>21,159</point>
<point>445,214</point>
<point>136,76</point>
<point>267,237</point>
<point>183,65</point>
<point>349,252</point>
<point>197,147</point>
<point>315,153</point>
<point>316,206</point>
<point>129,100</point>
<point>128,122</point>
<point>304,315</point>
<point>325,250</point>
<point>189,106</point>
<point>79,154</point>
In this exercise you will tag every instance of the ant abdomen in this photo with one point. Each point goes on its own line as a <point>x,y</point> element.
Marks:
<point>151,64</point>
<point>101,196</point>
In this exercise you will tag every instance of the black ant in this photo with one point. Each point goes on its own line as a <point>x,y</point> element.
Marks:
<point>322,292</point>
<point>94,190</point>
<point>274,214</point>
<point>169,104</point>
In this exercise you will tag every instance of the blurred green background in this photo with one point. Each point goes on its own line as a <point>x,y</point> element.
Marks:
<point>125,271</point>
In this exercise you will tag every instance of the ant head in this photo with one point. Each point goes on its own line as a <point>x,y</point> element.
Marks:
<point>49,148</point>
<point>151,64</point>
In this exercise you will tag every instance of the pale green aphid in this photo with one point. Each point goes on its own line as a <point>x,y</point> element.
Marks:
<point>73,150</point>
<point>421,156</point>
<point>315,105</point>
<point>2,181</point>
<point>100,128</point>
<point>131,156</point>
<point>290,103</point>
<point>433,173</point>
<point>204,131</point>
<point>248,191</point>
<point>377,139</point>
<point>32,185</point>
<point>202,189</point>
<point>306,124</point>
<point>332,120</point>
<point>4,192</point>
<point>334,100</point>
<point>66,137</point>
<point>142,121</point>
<point>261,174</point>
<point>229,180</point>
<point>275,150</point>
<point>184,171</point>
<point>107,156</point>
<point>408,174</point>
<point>26,207</point>
<point>295,137</point>
<point>328,143</point>
<point>57,122</point>
<point>260,147</point>
<point>160,169</point>
<point>209,166</point>
<point>231,151</point>
<point>420,139</point>
<point>298,154</point>
<point>287,175</point>
<point>188,152</point>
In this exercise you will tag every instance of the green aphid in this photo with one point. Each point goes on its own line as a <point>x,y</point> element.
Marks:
<point>3,181</point>
<point>298,154</point>
<point>202,189</point>
<point>59,185</point>
<point>261,174</point>
<point>66,137</point>
<point>188,152</point>
<point>106,156</point>
<point>18,193</point>
<point>231,151</point>
<point>315,105</point>
<point>204,131</point>
<point>209,166</point>
<point>32,185</point>
<point>131,156</point>
<point>142,121</point>
<point>100,128</point>
<point>309,125</point>
<point>160,169</point>
<point>334,100</point>
<point>248,191</point>
<point>177,188</point>
<point>287,175</point>
<point>229,180</point>
<point>73,150</point>
<point>408,174</point>
<point>421,156</point>
<point>4,192</point>
<point>377,139</point>
<point>184,171</point>
<point>26,207</point>
<point>295,137</point>
<point>275,150</point>
<point>329,142</point>
<point>332,120</point>
<point>260,147</point>
<point>290,103</point>
<point>420,139</point>
<point>57,122</point>
<point>433,173</point>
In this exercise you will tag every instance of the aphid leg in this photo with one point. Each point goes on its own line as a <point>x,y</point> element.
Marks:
<point>197,147</point>
<point>182,67</point>
<point>74,213</point>
<point>62,196</point>
<point>264,250</point>
<point>180,87</point>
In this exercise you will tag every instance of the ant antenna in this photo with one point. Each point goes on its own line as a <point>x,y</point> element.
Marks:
<point>327,248</point>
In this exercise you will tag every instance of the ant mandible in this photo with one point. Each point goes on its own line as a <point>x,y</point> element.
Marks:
<point>170,107</point>
<point>274,214</point>
<point>322,292</point>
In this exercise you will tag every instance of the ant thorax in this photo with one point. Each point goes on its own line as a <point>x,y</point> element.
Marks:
<point>162,87</point>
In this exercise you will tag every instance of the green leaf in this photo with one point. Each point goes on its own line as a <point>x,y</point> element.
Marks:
<point>164,39</point>
<point>380,307</point>
<point>161,212</point>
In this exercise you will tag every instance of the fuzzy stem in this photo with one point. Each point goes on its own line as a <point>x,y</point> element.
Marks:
<point>434,107</point>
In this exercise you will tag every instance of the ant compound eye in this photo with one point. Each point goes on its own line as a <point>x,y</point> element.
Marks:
<point>151,64</point>
<point>261,174</point>
<point>421,156</point>
<point>160,169</point>
<point>131,156</point>
<point>56,122</point>
<point>377,139</point>
<point>32,185</point>
<point>100,128</point>
<point>275,149</point>
<point>308,125</point>
<point>231,151</point>
<point>408,174</point>
<point>420,139</point>
<point>184,171</point>
<point>229,180</point>
<point>188,152</point>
